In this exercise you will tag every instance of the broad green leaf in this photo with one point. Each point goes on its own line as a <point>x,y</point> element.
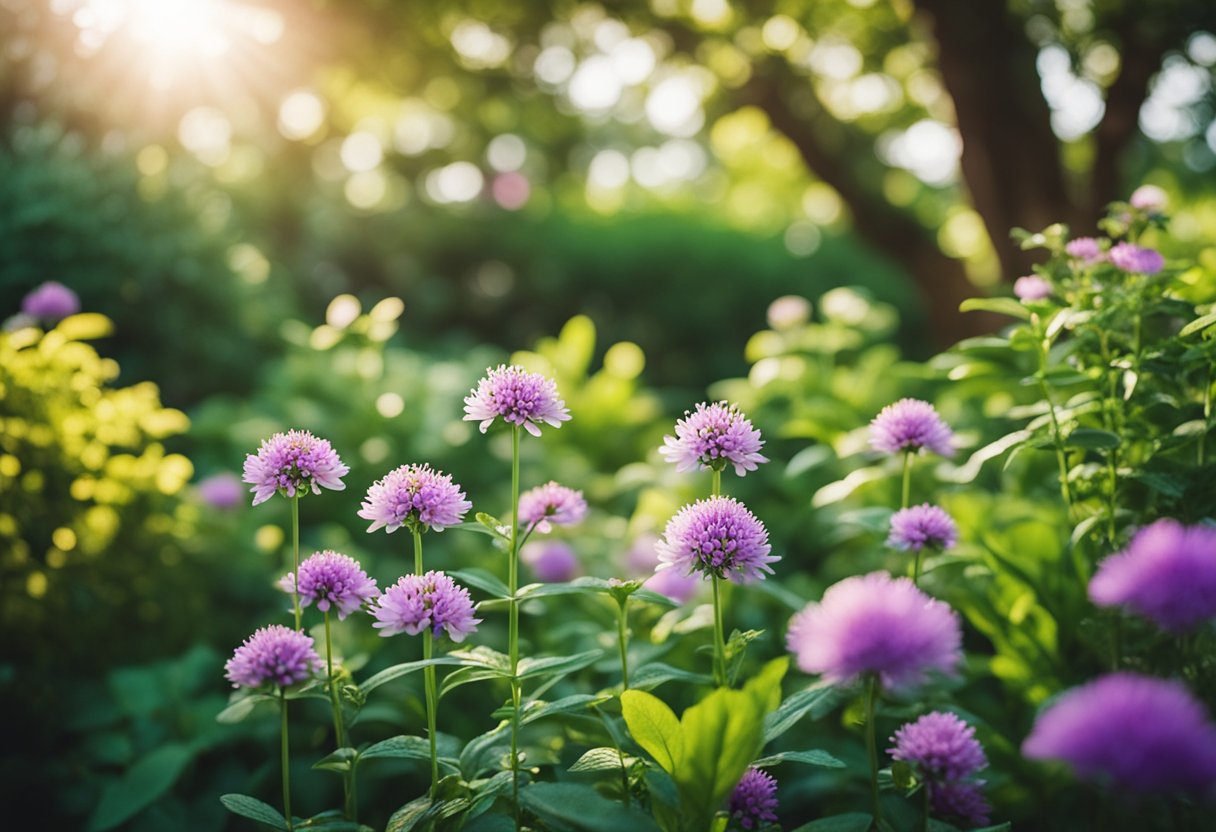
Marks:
<point>852,822</point>
<point>649,677</point>
<point>254,809</point>
<point>969,470</point>
<point>1002,306</point>
<point>573,807</point>
<point>390,674</point>
<point>575,702</point>
<point>467,675</point>
<point>604,758</point>
<point>579,586</point>
<point>818,701</point>
<point>651,597</point>
<point>654,726</point>
<point>409,815</point>
<point>402,746</point>
<point>1091,438</point>
<point>240,708</point>
<point>483,580</point>
<point>814,757</point>
<point>139,786</point>
<point>1198,324</point>
<point>531,668</point>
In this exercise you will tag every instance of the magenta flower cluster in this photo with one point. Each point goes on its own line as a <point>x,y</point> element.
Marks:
<point>414,494</point>
<point>1136,259</point>
<point>292,464</point>
<point>332,580</point>
<point>946,755</point>
<point>876,624</point>
<point>1087,250</point>
<point>516,396</point>
<point>1167,574</point>
<point>431,601</point>
<point>909,425</point>
<point>713,436</point>
<point>273,655</point>
<point>923,526</point>
<point>51,301</point>
<point>551,504</point>
<point>1031,288</point>
<point>719,537</point>
<point>753,803</point>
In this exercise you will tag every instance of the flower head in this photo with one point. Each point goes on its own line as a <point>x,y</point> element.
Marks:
<point>1133,258</point>
<point>753,803</point>
<point>876,624</point>
<point>712,436</point>
<point>1031,288</point>
<point>941,746</point>
<point>1135,733</point>
<point>1166,574</point>
<point>222,490</point>
<point>551,561</point>
<point>1149,198</point>
<point>551,504</point>
<point>292,464</point>
<point>788,311</point>
<point>274,654</point>
<point>1085,249</point>
<point>961,800</point>
<point>414,494</point>
<point>909,425</point>
<point>918,527</point>
<point>52,301</point>
<point>519,397</point>
<point>332,580</point>
<point>418,602</point>
<point>718,536</point>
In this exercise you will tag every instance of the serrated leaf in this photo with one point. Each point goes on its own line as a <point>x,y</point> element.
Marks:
<point>390,674</point>
<point>604,758</point>
<point>483,580</point>
<point>254,809</point>
<point>1002,306</point>
<point>140,785</point>
<point>814,757</point>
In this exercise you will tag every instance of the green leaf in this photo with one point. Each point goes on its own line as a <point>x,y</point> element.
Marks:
<point>140,785</point>
<point>400,747</point>
<point>531,668</point>
<point>814,757</point>
<point>604,758</point>
<point>576,702</point>
<point>390,674</point>
<point>1002,306</point>
<point>479,529</point>
<point>579,586</point>
<point>817,700</point>
<point>1091,438</point>
<point>340,760</point>
<point>652,597</point>
<point>969,470</point>
<point>1198,324</point>
<point>573,807</point>
<point>483,580</point>
<point>650,676</point>
<point>240,708</point>
<point>852,822</point>
<point>409,815</point>
<point>468,675</point>
<point>653,726</point>
<point>254,809</point>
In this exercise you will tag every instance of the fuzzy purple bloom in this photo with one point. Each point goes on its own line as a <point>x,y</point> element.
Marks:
<point>1133,258</point>
<point>876,624</point>
<point>753,803</point>
<point>941,745</point>
<point>418,602</point>
<point>414,494</point>
<point>1031,288</point>
<point>1133,732</point>
<point>1086,249</point>
<point>332,580</point>
<point>292,464</point>
<point>52,301</point>
<point>909,425</point>
<point>713,436</point>
<point>1149,198</point>
<point>551,504</point>
<point>961,801</point>
<point>718,536</point>
<point>519,397</point>
<point>223,491</point>
<point>551,561</point>
<point>274,654</point>
<point>1166,574</point>
<point>918,527</point>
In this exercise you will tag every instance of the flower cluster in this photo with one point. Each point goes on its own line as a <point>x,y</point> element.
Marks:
<point>517,396</point>
<point>551,561</point>
<point>273,655</point>
<point>713,436</point>
<point>753,803</point>
<point>1136,259</point>
<point>923,526</point>
<point>1031,288</point>
<point>876,624</point>
<point>52,301</point>
<point>551,504</point>
<point>1166,574</point>
<point>414,494</point>
<point>419,602</point>
<point>1086,250</point>
<point>946,755</point>
<point>720,537</point>
<point>292,464</point>
<point>333,580</point>
<point>909,425</point>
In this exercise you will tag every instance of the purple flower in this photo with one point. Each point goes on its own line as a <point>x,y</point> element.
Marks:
<point>1166,574</point>
<point>417,602</point>
<point>909,425</point>
<point>274,654</point>
<point>1031,288</point>
<point>519,397</point>
<point>551,561</point>
<point>222,490</point>
<point>718,536</point>
<point>414,494</point>
<point>332,579</point>
<point>1149,198</point>
<point>941,746</point>
<point>551,504</point>
<point>712,436</point>
<point>753,803</point>
<point>1135,733</point>
<point>51,301</point>
<point>1086,249</point>
<point>291,464</point>
<point>960,800</point>
<point>1133,258</point>
<point>876,624</point>
<point>922,526</point>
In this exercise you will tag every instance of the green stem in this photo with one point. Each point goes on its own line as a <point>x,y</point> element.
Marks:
<point>715,487</point>
<point>872,746</point>
<point>1207,413</point>
<point>295,548</point>
<point>622,629</point>
<point>285,757</point>
<point>906,494</point>
<point>513,624</point>
<point>339,728</point>
<point>719,637</point>
<point>1057,436</point>
<point>432,703</point>
<point>916,567</point>
<point>416,532</point>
